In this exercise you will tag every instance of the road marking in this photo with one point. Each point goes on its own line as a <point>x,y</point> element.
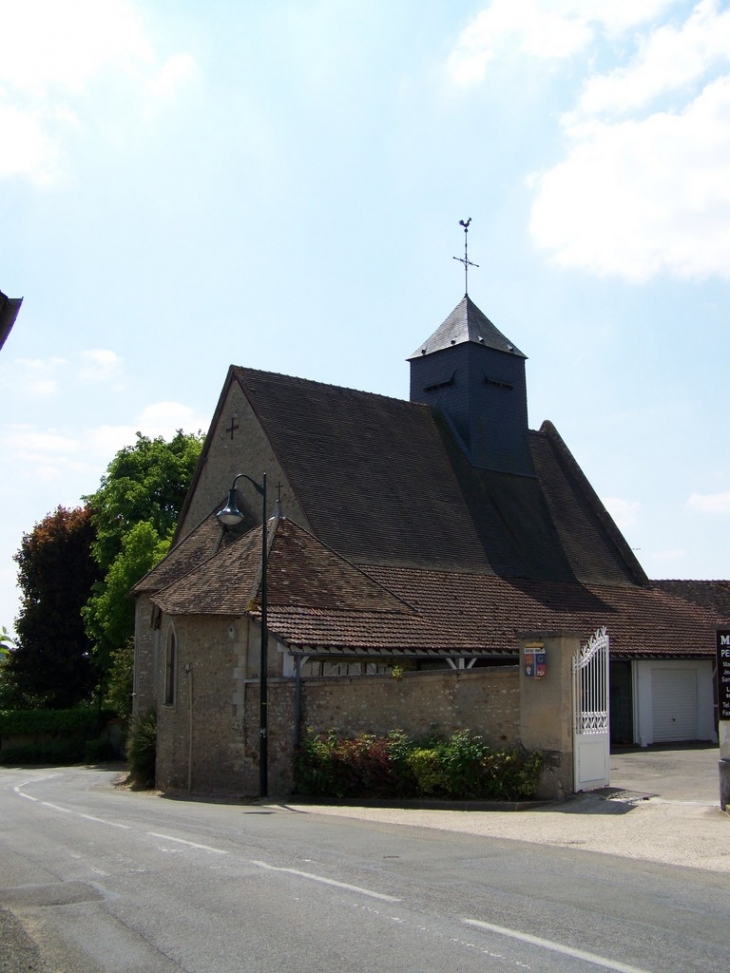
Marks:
<point>191,844</point>
<point>55,807</point>
<point>328,881</point>
<point>608,964</point>
<point>26,796</point>
<point>112,824</point>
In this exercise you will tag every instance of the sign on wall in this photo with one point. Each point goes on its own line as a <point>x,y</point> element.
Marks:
<point>535,660</point>
<point>723,672</point>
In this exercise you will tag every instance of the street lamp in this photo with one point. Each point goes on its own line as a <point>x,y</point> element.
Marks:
<point>231,516</point>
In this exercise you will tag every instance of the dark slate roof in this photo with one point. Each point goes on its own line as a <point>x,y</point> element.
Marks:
<point>9,307</point>
<point>595,547</point>
<point>383,480</point>
<point>466,323</point>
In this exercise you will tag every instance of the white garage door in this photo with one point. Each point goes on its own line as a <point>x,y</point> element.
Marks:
<point>674,704</point>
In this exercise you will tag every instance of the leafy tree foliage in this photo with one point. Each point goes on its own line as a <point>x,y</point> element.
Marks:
<point>51,664</point>
<point>7,643</point>
<point>135,511</point>
<point>121,681</point>
<point>145,482</point>
<point>109,613</point>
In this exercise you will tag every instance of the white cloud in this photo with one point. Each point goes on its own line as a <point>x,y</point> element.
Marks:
<point>42,377</point>
<point>54,56</point>
<point>648,193</point>
<point>550,30</point>
<point>177,69</point>
<point>165,418</point>
<point>670,59</point>
<point>644,184</point>
<point>624,512</point>
<point>83,453</point>
<point>634,198</point>
<point>99,364</point>
<point>710,503</point>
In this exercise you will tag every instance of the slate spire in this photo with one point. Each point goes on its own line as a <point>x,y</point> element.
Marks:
<point>475,376</point>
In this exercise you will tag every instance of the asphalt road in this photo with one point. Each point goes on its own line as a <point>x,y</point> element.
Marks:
<point>94,878</point>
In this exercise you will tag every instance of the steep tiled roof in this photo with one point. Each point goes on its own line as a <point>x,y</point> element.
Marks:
<point>490,611</point>
<point>184,556</point>
<point>596,549</point>
<point>302,574</point>
<point>319,601</point>
<point>383,480</point>
<point>466,323</point>
<point>714,595</point>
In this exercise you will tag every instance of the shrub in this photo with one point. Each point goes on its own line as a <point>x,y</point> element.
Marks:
<point>142,750</point>
<point>99,751</point>
<point>460,767</point>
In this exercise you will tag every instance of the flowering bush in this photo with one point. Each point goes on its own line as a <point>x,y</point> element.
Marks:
<point>459,767</point>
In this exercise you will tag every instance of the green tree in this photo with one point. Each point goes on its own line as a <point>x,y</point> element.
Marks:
<point>7,644</point>
<point>51,664</point>
<point>109,613</point>
<point>121,681</point>
<point>134,512</point>
<point>145,482</point>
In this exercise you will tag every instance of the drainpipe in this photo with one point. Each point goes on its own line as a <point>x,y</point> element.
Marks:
<point>189,673</point>
<point>298,701</point>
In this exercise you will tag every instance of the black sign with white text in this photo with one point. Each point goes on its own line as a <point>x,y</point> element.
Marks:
<point>723,672</point>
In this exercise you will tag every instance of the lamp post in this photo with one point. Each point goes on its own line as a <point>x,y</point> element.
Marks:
<point>231,516</point>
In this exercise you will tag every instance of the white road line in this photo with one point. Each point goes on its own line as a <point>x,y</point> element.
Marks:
<point>191,844</point>
<point>608,964</point>
<point>26,796</point>
<point>328,881</point>
<point>112,824</point>
<point>55,807</point>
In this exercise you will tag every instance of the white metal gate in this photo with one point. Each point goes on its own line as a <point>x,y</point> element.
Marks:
<point>591,745</point>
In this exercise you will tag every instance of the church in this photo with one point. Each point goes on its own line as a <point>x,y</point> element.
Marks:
<point>419,539</point>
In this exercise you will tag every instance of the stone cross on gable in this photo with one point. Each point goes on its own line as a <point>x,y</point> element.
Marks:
<point>233,426</point>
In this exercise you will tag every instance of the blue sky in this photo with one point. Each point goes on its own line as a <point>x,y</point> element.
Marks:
<point>279,185</point>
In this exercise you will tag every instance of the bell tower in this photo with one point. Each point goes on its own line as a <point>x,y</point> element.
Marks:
<point>476,377</point>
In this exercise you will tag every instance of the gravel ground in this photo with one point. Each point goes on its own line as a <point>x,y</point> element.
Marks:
<point>18,952</point>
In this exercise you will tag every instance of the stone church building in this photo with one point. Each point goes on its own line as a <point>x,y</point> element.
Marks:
<point>424,537</point>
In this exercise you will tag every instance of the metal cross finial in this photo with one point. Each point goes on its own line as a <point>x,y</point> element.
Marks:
<point>465,259</point>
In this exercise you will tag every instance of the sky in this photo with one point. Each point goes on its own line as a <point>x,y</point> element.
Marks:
<point>279,183</point>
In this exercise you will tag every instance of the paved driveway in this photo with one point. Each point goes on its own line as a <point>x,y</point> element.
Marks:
<point>673,772</point>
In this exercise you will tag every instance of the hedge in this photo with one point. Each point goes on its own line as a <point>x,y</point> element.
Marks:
<point>61,722</point>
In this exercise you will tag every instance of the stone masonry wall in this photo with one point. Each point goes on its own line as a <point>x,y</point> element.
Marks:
<point>210,652</point>
<point>484,701</point>
<point>146,641</point>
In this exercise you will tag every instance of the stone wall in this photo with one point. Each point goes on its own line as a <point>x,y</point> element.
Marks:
<point>146,640</point>
<point>208,758</point>
<point>484,701</point>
